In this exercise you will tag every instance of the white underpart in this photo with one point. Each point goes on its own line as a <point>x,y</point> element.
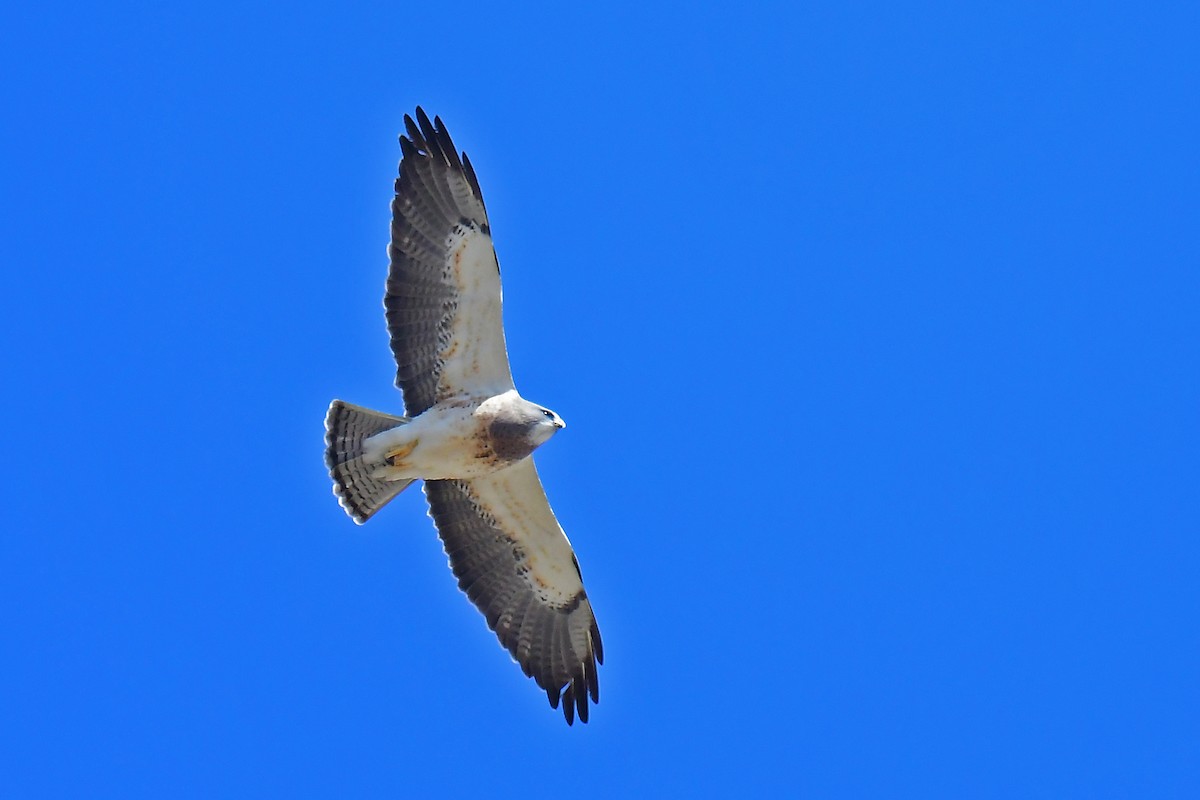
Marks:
<point>446,438</point>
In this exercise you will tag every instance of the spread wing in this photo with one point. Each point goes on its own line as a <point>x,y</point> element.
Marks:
<point>443,287</point>
<point>516,565</point>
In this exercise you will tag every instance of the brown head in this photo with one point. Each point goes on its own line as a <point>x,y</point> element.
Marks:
<point>519,427</point>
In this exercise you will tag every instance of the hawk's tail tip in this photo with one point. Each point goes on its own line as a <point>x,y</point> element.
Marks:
<point>347,427</point>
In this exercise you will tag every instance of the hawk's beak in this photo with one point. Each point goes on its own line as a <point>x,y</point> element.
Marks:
<point>560,424</point>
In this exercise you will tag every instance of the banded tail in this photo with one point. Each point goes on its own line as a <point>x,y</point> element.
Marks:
<point>346,428</point>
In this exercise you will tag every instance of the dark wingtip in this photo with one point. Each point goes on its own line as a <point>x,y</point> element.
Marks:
<point>423,120</point>
<point>412,134</point>
<point>408,148</point>
<point>594,683</point>
<point>581,704</point>
<point>569,705</point>
<point>446,144</point>
<point>469,171</point>
<point>597,645</point>
<point>430,138</point>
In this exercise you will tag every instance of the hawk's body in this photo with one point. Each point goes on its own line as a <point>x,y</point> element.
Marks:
<point>464,437</point>
<point>468,432</point>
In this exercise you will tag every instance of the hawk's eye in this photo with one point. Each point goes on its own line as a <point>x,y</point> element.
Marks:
<point>547,414</point>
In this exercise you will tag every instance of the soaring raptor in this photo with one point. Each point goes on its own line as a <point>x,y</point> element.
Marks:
<point>467,432</point>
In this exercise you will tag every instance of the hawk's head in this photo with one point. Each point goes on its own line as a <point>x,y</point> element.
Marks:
<point>519,427</point>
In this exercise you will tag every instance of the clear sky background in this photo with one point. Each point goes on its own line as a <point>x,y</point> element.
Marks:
<point>876,332</point>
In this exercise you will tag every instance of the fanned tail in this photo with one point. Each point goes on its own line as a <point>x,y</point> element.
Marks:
<point>346,428</point>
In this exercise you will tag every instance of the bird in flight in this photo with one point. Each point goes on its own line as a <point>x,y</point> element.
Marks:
<point>466,431</point>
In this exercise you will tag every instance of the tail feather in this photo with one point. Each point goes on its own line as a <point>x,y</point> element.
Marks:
<point>346,428</point>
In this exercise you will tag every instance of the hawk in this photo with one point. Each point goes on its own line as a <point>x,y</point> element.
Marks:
<point>466,432</point>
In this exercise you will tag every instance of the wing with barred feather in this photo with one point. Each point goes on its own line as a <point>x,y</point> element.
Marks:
<point>514,562</point>
<point>443,299</point>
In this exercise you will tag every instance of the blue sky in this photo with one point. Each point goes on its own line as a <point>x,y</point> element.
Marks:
<point>875,328</point>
